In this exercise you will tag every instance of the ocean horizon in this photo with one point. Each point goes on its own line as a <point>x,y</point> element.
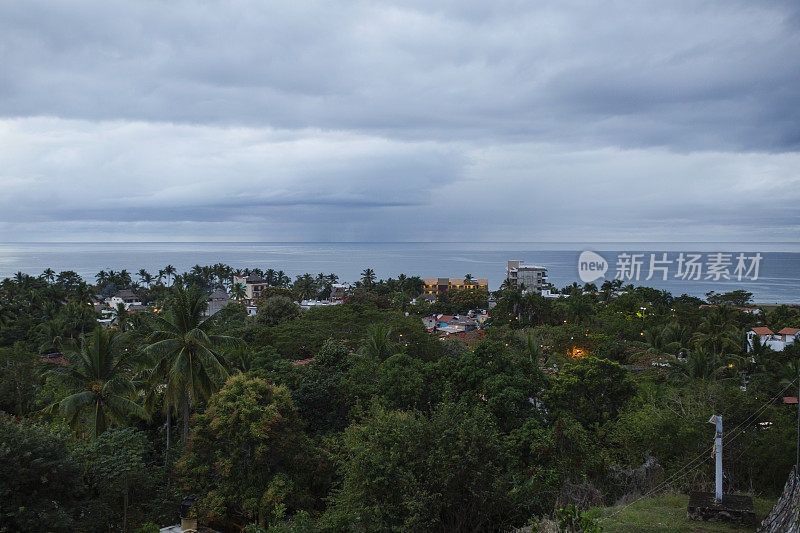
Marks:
<point>778,278</point>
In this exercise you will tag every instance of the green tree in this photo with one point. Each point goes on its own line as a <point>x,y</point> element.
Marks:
<point>368,278</point>
<point>322,395</point>
<point>276,309</point>
<point>121,317</point>
<point>169,272</point>
<point>245,454</point>
<point>99,378</point>
<point>492,375</point>
<point>306,286</point>
<point>41,486</point>
<point>238,292</point>
<point>186,351</point>
<point>18,379</point>
<point>378,342</point>
<point>591,390</point>
<point>49,274</point>
<point>115,467</point>
<point>145,277</point>
<point>404,471</point>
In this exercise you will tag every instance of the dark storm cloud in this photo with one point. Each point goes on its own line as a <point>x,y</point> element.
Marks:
<point>680,74</point>
<point>473,120</point>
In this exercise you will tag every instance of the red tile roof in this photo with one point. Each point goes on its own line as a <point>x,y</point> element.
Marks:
<point>789,399</point>
<point>762,331</point>
<point>302,362</point>
<point>445,318</point>
<point>788,331</point>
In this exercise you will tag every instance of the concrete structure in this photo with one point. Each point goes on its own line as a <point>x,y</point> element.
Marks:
<point>126,298</point>
<point>776,341</point>
<point>436,287</point>
<point>252,285</point>
<point>217,300</point>
<point>532,278</point>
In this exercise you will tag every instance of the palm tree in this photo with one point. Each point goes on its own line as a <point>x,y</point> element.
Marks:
<point>658,341</point>
<point>145,277</point>
<point>306,286</point>
<point>533,349</point>
<point>186,352</point>
<point>700,364</point>
<point>716,335</point>
<point>678,337</point>
<point>378,342</point>
<point>238,292</point>
<point>49,274</point>
<point>121,317</point>
<point>467,279</point>
<point>99,377</point>
<point>368,278</point>
<point>270,276</point>
<point>51,333</point>
<point>169,271</point>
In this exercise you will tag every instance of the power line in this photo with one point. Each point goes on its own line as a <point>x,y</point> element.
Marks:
<point>704,454</point>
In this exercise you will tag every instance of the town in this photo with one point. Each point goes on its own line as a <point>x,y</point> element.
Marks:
<point>151,373</point>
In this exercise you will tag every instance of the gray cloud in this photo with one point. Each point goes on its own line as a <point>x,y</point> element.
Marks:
<point>415,121</point>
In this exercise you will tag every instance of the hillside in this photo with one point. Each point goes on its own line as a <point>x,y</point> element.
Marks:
<point>667,514</point>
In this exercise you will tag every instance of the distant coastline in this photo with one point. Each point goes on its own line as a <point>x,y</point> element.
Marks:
<point>779,280</point>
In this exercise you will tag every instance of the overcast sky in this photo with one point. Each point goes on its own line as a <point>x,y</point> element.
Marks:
<point>367,121</point>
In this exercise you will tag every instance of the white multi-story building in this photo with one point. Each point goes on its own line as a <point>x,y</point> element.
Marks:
<point>531,278</point>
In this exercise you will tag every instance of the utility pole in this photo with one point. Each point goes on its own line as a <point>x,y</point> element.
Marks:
<point>717,419</point>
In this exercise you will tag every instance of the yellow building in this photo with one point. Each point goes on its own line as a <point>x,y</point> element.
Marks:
<point>435,287</point>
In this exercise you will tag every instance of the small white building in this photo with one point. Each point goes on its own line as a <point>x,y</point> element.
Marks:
<point>126,298</point>
<point>308,304</point>
<point>776,341</point>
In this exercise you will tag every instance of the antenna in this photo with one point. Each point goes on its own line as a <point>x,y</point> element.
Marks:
<point>717,419</point>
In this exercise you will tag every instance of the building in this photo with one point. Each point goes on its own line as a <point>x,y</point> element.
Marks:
<point>531,278</point>
<point>436,287</point>
<point>217,301</point>
<point>776,341</point>
<point>309,304</point>
<point>339,291</point>
<point>252,285</point>
<point>126,298</point>
<point>455,323</point>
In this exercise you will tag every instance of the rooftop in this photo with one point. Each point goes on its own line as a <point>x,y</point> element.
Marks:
<point>126,294</point>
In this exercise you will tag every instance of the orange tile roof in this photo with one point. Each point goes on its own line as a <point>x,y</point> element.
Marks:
<point>788,331</point>
<point>762,331</point>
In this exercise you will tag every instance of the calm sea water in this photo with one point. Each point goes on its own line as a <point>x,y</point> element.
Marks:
<point>778,281</point>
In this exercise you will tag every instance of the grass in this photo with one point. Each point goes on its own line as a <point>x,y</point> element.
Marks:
<point>667,514</point>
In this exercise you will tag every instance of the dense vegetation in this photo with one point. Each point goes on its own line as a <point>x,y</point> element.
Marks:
<point>355,418</point>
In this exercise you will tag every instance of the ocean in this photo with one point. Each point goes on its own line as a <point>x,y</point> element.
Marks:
<point>778,279</point>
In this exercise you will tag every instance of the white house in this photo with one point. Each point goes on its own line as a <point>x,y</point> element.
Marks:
<point>126,298</point>
<point>776,341</point>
